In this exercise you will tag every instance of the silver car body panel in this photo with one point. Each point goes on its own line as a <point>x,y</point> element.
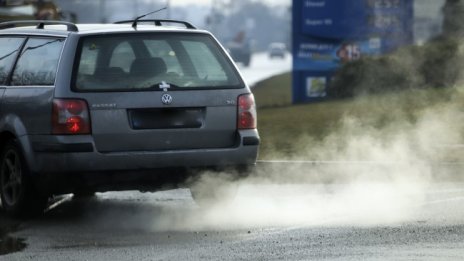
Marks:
<point>113,145</point>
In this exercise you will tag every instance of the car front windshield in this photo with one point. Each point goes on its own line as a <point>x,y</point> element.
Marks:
<point>152,61</point>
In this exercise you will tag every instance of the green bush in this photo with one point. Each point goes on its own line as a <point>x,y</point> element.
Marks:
<point>435,64</point>
<point>443,62</point>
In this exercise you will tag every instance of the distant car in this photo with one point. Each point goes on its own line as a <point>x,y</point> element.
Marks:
<point>277,50</point>
<point>240,48</point>
<point>240,52</point>
<point>102,107</point>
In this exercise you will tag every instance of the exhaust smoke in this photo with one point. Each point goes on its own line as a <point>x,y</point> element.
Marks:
<point>378,169</point>
<point>367,171</point>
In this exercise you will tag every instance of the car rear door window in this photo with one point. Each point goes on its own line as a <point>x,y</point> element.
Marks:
<point>9,48</point>
<point>38,62</point>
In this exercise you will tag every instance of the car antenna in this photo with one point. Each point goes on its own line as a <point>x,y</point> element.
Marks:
<point>134,24</point>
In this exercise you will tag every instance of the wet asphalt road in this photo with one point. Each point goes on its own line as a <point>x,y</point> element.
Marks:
<point>170,226</point>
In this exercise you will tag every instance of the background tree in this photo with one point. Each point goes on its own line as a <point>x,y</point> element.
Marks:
<point>453,22</point>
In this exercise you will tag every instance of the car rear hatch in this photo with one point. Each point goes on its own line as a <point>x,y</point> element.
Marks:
<point>158,92</point>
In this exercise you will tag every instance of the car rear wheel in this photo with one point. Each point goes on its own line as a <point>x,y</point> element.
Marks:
<point>18,195</point>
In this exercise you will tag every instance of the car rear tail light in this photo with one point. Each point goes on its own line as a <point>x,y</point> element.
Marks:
<point>70,117</point>
<point>246,112</point>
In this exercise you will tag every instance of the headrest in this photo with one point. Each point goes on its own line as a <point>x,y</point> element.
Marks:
<point>148,67</point>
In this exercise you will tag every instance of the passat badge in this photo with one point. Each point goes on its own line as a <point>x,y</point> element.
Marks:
<point>166,99</point>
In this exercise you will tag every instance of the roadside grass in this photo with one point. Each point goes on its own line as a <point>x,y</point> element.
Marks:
<point>287,129</point>
<point>275,91</point>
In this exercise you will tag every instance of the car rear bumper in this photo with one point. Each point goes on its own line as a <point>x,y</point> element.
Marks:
<point>65,164</point>
<point>95,161</point>
<point>50,154</point>
<point>122,180</point>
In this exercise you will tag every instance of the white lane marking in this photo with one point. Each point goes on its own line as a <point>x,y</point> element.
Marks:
<point>338,162</point>
<point>440,201</point>
<point>446,191</point>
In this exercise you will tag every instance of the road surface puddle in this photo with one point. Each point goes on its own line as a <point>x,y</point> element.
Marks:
<point>10,245</point>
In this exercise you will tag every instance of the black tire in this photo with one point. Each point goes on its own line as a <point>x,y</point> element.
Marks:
<point>18,194</point>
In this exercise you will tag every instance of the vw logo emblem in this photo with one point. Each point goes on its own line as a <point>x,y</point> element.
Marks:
<point>166,99</point>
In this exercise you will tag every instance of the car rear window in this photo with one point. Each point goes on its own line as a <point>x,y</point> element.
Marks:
<point>9,48</point>
<point>38,62</point>
<point>138,62</point>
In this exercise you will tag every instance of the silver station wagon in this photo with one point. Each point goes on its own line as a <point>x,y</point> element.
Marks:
<point>142,104</point>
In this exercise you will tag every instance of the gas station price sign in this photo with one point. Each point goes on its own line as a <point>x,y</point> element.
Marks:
<point>328,33</point>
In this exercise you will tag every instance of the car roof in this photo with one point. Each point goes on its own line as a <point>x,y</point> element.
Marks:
<point>95,29</point>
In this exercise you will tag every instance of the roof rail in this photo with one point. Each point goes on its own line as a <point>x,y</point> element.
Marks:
<point>157,22</point>
<point>40,24</point>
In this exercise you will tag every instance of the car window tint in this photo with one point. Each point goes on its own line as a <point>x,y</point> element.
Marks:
<point>9,48</point>
<point>38,62</point>
<point>160,48</point>
<point>88,61</point>
<point>144,61</point>
<point>122,57</point>
<point>204,61</point>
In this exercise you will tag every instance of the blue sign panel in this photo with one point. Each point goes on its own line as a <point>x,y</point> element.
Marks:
<point>327,55</point>
<point>328,33</point>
